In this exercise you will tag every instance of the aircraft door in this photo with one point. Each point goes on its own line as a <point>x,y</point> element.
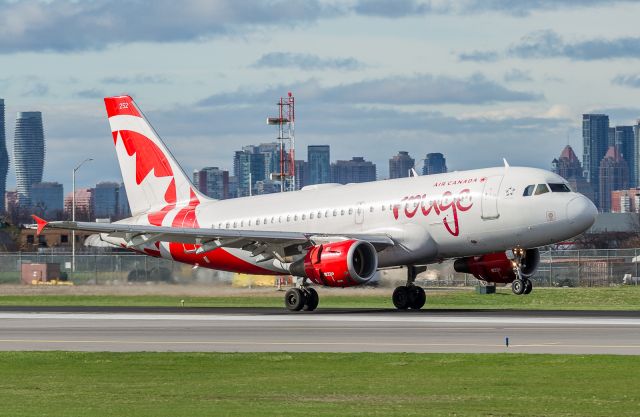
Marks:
<point>490,194</point>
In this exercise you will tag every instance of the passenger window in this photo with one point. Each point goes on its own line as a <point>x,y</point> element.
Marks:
<point>241,223</point>
<point>304,217</point>
<point>279,219</point>
<point>350,211</point>
<point>311,216</point>
<point>235,224</point>
<point>342,212</point>
<point>559,188</point>
<point>528,190</point>
<point>288,218</point>
<point>295,218</point>
<point>371,209</point>
<point>257,222</point>
<point>319,214</point>
<point>227,225</point>
<point>541,189</point>
<point>335,213</point>
<point>249,222</point>
<point>326,213</point>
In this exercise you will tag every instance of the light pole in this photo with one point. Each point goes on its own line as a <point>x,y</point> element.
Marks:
<point>73,214</point>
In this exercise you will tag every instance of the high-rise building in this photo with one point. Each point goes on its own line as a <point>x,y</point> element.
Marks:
<point>624,140</point>
<point>614,175</point>
<point>355,170</point>
<point>400,164</point>
<point>4,159</point>
<point>434,163</point>
<point>636,155</point>
<point>568,167</point>
<point>301,173</point>
<point>255,163</point>
<point>318,164</point>
<point>595,136</point>
<point>47,198</point>
<point>625,201</point>
<point>105,200</point>
<point>123,202</point>
<point>28,152</point>
<point>212,182</point>
<point>84,204</point>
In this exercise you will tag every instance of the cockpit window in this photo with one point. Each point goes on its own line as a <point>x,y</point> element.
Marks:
<point>528,190</point>
<point>541,189</point>
<point>559,188</point>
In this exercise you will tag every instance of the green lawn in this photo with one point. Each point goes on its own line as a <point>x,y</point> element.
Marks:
<point>316,384</point>
<point>614,298</point>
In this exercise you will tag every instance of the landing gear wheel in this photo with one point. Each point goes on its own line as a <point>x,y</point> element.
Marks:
<point>518,287</point>
<point>417,297</point>
<point>401,298</point>
<point>528,287</point>
<point>295,299</point>
<point>312,300</point>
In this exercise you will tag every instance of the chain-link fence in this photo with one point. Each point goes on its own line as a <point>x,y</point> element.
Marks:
<point>558,268</point>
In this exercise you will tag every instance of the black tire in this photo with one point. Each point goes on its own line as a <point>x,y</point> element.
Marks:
<point>401,298</point>
<point>417,297</point>
<point>528,286</point>
<point>294,299</point>
<point>312,300</point>
<point>517,287</point>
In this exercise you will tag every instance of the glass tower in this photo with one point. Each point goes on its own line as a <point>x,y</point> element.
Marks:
<point>28,151</point>
<point>4,159</point>
<point>318,164</point>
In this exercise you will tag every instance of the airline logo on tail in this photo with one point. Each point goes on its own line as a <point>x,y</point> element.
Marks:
<point>154,182</point>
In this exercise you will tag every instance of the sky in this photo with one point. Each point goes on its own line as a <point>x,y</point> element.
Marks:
<point>478,80</point>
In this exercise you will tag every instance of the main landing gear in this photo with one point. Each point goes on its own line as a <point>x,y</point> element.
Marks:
<point>301,298</point>
<point>410,295</point>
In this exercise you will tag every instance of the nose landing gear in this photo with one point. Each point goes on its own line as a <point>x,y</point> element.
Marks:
<point>522,284</point>
<point>410,295</point>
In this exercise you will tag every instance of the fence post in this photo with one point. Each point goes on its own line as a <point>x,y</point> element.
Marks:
<point>608,268</point>
<point>579,270</point>
<point>635,258</point>
<point>550,267</point>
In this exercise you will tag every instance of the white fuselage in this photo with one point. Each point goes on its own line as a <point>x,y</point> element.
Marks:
<point>430,218</point>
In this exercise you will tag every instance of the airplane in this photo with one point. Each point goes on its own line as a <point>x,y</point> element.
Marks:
<point>490,221</point>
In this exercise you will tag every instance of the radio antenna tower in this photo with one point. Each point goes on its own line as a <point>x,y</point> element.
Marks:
<point>286,139</point>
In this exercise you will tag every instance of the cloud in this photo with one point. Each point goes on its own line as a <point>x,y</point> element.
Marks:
<point>516,75</point>
<point>36,89</point>
<point>517,8</point>
<point>421,89</point>
<point>619,115</point>
<point>305,62</point>
<point>479,56</point>
<point>137,79</point>
<point>549,44</point>
<point>69,25</point>
<point>91,93</point>
<point>628,80</point>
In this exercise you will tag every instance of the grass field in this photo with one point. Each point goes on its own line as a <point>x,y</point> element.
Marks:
<point>317,384</point>
<point>613,298</point>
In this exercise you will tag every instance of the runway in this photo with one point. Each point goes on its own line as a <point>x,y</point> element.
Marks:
<point>329,330</point>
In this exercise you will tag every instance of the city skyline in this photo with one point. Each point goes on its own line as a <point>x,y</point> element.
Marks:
<point>514,92</point>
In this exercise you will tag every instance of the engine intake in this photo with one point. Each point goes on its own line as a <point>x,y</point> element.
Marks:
<point>338,264</point>
<point>496,267</point>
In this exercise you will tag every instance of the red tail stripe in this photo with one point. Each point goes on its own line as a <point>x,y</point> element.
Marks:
<point>122,105</point>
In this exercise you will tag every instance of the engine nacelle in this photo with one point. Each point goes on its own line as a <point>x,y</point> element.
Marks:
<point>338,264</point>
<point>496,267</point>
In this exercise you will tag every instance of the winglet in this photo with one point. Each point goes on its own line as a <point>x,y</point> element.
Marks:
<point>506,164</point>
<point>41,223</point>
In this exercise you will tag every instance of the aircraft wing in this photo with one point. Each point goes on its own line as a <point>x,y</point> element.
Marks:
<point>266,244</point>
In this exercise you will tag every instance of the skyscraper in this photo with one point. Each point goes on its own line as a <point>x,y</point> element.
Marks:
<point>434,163</point>
<point>624,140</point>
<point>355,170</point>
<point>595,136</point>
<point>105,200</point>
<point>614,175</point>
<point>318,164</point>
<point>400,164</point>
<point>636,155</point>
<point>568,167</point>
<point>301,173</point>
<point>212,182</point>
<point>4,159</point>
<point>28,151</point>
<point>47,198</point>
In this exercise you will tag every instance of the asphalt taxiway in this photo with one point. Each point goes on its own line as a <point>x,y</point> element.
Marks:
<point>325,330</point>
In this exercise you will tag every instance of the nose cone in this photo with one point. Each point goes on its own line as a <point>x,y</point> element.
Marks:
<point>581,213</point>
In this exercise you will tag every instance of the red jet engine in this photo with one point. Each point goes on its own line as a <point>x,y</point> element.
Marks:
<point>496,267</point>
<point>338,264</point>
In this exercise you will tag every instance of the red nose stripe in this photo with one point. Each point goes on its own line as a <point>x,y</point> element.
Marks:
<point>121,105</point>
